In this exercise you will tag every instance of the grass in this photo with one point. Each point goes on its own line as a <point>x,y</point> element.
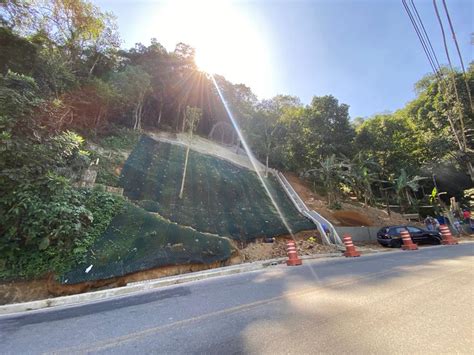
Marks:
<point>120,139</point>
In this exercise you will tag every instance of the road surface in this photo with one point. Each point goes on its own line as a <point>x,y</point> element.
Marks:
<point>403,302</point>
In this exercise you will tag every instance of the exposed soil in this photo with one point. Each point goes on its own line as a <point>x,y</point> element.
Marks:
<point>351,213</point>
<point>24,291</point>
<point>264,251</point>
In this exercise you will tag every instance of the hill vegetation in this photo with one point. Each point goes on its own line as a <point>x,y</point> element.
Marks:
<point>65,82</point>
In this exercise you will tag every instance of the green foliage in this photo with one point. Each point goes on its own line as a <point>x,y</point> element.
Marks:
<point>330,174</point>
<point>47,226</point>
<point>43,219</point>
<point>308,135</point>
<point>77,27</point>
<point>16,53</point>
<point>392,142</point>
<point>133,84</point>
<point>123,139</point>
<point>193,116</point>
<point>404,185</point>
<point>361,176</point>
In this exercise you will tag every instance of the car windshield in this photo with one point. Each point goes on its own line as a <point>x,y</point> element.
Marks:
<point>397,230</point>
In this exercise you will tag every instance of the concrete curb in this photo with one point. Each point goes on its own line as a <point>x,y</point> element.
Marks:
<point>145,285</point>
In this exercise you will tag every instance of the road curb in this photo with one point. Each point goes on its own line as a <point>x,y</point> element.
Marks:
<point>145,285</point>
<point>73,300</point>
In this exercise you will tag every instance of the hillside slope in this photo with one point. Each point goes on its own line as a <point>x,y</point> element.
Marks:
<point>220,197</point>
<point>350,214</point>
<point>223,200</point>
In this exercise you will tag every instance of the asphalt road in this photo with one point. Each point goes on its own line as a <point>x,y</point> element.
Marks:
<point>403,302</point>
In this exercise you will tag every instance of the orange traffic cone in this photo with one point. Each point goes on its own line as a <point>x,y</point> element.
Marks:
<point>293,259</point>
<point>350,248</point>
<point>447,236</point>
<point>407,242</point>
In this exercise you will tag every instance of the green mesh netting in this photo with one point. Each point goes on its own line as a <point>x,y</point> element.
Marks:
<point>137,240</point>
<point>219,197</point>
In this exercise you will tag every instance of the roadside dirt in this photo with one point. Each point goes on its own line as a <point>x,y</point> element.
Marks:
<point>24,291</point>
<point>351,213</point>
<point>307,243</point>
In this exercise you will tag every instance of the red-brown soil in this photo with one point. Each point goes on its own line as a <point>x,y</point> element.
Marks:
<point>351,213</point>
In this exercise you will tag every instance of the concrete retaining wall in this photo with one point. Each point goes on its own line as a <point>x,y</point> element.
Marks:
<point>369,234</point>
<point>360,234</point>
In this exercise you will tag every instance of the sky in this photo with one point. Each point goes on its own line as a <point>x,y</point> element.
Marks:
<point>363,52</point>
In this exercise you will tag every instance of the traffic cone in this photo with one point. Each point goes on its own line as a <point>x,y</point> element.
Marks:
<point>350,248</point>
<point>447,236</point>
<point>293,259</point>
<point>407,242</point>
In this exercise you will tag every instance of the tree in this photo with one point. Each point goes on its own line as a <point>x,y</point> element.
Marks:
<point>133,83</point>
<point>264,128</point>
<point>405,186</point>
<point>392,142</point>
<point>330,173</point>
<point>328,130</point>
<point>311,134</point>
<point>78,27</point>
<point>443,109</point>
<point>361,174</point>
<point>193,115</point>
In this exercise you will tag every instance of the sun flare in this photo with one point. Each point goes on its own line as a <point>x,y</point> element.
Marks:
<point>226,40</point>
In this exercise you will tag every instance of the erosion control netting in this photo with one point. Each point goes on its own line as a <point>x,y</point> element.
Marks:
<point>219,197</point>
<point>137,240</point>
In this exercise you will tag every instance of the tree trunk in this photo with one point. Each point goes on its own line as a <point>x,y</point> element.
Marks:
<point>181,191</point>
<point>388,202</point>
<point>159,115</point>
<point>184,121</point>
<point>93,66</point>
<point>177,119</point>
<point>470,169</point>
<point>266,167</point>
<point>135,117</point>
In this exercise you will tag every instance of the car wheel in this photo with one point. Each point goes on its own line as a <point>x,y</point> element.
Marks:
<point>396,244</point>
<point>436,241</point>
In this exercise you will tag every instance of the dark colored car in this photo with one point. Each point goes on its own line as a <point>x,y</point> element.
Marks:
<point>390,236</point>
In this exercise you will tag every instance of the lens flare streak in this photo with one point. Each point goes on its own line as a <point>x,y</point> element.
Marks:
<point>253,160</point>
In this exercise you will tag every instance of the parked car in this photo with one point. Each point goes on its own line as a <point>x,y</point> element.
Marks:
<point>390,236</point>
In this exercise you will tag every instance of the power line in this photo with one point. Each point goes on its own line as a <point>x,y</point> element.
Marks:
<point>443,34</point>
<point>459,53</point>
<point>421,38</point>
<point>426,34</point>
<point>461,120</point>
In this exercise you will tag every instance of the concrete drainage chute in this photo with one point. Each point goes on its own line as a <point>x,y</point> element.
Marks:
<point>329,235</point>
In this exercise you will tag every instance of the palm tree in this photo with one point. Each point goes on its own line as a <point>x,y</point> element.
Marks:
<point>405,186</point>
<point>331,173</point>
<point>360,176</point>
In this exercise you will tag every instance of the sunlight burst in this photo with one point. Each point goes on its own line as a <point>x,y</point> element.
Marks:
<point>226,40</point>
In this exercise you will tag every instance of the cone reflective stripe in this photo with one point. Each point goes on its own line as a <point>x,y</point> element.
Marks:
<point>350,248</point>
<point>293,259</point>
<point>407,242</point>
<point>447,236</point>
